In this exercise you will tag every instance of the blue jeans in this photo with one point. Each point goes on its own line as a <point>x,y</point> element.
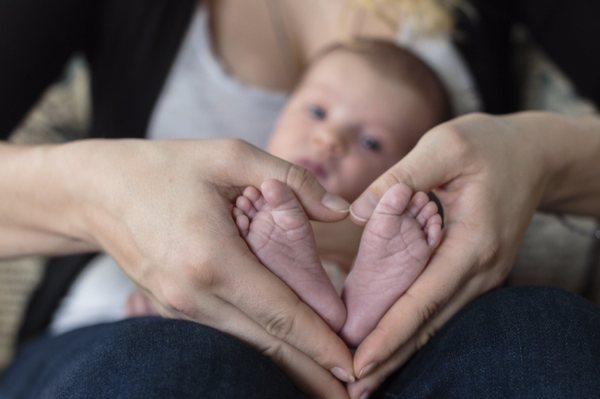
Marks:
<point>515,342</point>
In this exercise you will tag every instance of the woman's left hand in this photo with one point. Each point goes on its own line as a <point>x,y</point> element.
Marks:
<point>490,174</point>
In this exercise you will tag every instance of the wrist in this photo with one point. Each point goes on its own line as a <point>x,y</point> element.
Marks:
<point>70,186</point>
<point>568,150</point>
<point>34,197</point>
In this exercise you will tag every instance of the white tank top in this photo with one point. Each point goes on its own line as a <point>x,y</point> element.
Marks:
<point>201,100</point>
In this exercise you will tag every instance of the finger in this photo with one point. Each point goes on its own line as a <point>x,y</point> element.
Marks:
<point>432,163</point>
<point>318,203</point>
<point>304,372</point>
<point>371,382</point>
<point>447,271</point>
<point>270,303</point>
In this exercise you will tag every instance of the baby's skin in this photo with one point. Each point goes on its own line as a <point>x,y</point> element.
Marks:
<point>347,135</point>
<point>278,232</point>
<point>396,245</point>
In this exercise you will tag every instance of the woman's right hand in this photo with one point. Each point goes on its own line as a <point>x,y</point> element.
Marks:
<point>162,210</point>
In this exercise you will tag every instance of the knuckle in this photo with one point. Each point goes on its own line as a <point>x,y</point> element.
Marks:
<point>394,176</point>
<point>235,146</point>
<point>282,323</point>
<point>298,177</point>
<point>202,273</point>
<point>428,311</point>
<point>399,173</point>
<point>406,175</point>
<point>275,351</point>
<point>176,299</point>
<point>477,119</point>
<point>454,138</point>
<point>197,266</point>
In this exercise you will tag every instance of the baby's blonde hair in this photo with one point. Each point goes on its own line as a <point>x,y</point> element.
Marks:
<point>427,16</point>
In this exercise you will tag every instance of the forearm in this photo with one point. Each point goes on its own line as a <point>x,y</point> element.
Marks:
<point>37,211</point>
<point>571,154</point>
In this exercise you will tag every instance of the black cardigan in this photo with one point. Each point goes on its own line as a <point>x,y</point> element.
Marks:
<point>131,44</point>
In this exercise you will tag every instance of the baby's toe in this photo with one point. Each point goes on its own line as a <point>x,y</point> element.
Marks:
<point>245,205</point>
<point>277,193</point>
<point>433,230</point>
<point>255,197</point>
<point>243,224</point>
<point>237,212</point>
<point>418,201</point>
<point>427,212</point>
<point>435,219</point>
<point>434,234</point>
<point>395,200</point>
<point>252,193</point>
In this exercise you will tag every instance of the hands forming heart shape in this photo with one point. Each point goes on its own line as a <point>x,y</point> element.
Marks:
<point>396,245</point>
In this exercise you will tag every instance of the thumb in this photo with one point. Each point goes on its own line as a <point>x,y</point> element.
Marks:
<point>430,164</point>
<point>259,166</point>
<point>317,202</point>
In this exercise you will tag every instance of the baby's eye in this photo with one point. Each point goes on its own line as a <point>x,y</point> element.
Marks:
<point>369,143</point>
<point>317,112</point>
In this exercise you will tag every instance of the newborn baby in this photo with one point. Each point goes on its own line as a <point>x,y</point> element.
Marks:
<point>358,110</point>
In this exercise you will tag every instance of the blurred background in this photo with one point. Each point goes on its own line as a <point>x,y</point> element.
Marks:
<point>552,241</point>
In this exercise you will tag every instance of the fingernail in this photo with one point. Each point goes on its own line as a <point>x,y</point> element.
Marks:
<point>335,203</point>
<point>366,370</point>
<point>342,374</point>
<point>363,207</point>
<point>365,395</point>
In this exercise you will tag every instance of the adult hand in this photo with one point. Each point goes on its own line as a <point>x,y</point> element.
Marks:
<point>162,210</point>
<point>490,174</point>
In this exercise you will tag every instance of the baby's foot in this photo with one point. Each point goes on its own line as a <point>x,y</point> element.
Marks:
<point>395,247</point>
<point>277,230</point>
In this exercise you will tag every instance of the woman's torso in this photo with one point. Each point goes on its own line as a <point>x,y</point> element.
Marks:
<point>233,69</point>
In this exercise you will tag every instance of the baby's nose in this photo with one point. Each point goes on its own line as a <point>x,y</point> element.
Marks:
<point>330,140</point>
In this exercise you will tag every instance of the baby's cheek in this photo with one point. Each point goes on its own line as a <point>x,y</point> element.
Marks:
<point>283,146</point>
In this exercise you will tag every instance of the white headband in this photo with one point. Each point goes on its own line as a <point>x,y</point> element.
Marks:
<point>440,54</point>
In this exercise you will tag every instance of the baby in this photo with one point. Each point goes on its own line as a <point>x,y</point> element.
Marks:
<point>358,109</point>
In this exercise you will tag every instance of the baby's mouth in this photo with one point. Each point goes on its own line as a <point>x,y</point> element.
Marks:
<point>315,168</point>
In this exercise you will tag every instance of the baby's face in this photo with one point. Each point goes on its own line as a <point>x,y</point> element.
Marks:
<point>347,124</point>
